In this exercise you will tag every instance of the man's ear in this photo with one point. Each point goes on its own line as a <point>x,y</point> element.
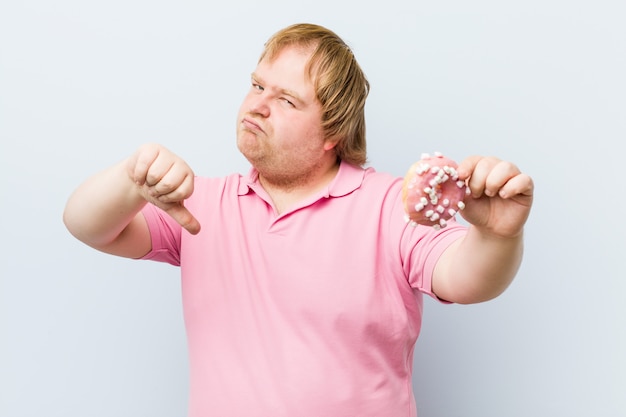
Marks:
<point>330,143</point>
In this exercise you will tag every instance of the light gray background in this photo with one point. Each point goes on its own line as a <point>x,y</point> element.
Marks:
<point>541,83</point>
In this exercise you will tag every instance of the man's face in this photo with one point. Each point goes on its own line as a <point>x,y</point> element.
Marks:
<point>279,122</point>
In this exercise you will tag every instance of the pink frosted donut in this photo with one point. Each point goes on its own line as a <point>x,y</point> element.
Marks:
<point>432,193</point>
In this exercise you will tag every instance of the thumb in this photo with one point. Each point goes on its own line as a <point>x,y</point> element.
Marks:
<point>179,212</point>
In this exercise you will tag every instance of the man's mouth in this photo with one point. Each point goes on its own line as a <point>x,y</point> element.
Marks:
<point>251,125</point>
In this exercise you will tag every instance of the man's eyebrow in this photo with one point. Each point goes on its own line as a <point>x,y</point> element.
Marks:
<point>285,91</point>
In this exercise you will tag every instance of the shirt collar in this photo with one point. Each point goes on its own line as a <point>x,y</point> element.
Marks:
<point>348,178</point>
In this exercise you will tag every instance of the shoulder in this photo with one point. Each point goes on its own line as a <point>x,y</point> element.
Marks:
<point>215,190</point>
<point>208,185</point>
<point>380,177</point>
<point>380,183</point>
<point>351,178</point>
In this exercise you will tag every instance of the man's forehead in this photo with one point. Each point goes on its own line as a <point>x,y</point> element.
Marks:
<point>272,52</point>
<point>284,68</point>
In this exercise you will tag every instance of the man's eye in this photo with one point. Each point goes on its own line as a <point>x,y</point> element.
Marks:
<point>257,87</point>
<point>289,103</point>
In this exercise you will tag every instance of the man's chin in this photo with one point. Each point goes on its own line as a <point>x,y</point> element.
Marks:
<point>252,157</point>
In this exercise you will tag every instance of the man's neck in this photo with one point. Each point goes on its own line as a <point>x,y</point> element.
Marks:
<point>284,195</point>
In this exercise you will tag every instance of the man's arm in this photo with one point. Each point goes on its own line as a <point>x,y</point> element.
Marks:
<point>482,264</point>
<point>104,211</point>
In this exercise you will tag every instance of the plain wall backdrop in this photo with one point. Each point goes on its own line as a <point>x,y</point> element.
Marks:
<point>541,83</point>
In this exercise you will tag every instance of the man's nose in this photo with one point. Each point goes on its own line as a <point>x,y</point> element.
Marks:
<point>259,104</point>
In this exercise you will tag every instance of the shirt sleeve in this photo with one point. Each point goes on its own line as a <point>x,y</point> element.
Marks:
<point>422,258</point>
<point>165,235</point>
<point>421,247</point>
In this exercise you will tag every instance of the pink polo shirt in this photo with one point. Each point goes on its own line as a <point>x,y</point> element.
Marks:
<point>313,312</point>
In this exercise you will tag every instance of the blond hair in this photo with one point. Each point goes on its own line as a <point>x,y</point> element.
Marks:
<point>340,85</point>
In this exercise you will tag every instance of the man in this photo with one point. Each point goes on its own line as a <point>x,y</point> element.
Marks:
<point>302,283</point>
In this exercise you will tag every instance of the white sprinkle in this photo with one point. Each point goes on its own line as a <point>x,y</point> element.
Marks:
<point>445,202</point>
<point>436,227</point>
<point>419,207</point>
<point>440,209</point>
<point>452,212</point>
<point>434,217</point>
<point>429,213</point>
<point>460,184</point>
<point>443,223</point>
<point>421,169</point>
<point>461,205</point>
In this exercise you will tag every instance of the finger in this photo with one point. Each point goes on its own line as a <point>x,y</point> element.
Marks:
<point>481,170</point>
<point>183,217</point>
<point>140,163</point>
<point>176,185</point>
<point>520,184</point>
<point>466,167</point>
<point>158,170</point>
<point>498,176</point>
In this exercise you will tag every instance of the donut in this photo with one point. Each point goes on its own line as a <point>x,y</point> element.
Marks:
<point>432,193</point>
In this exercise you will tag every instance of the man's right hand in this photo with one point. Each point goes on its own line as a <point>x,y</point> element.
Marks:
<point>165,180</point>
<point>105,211</point>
